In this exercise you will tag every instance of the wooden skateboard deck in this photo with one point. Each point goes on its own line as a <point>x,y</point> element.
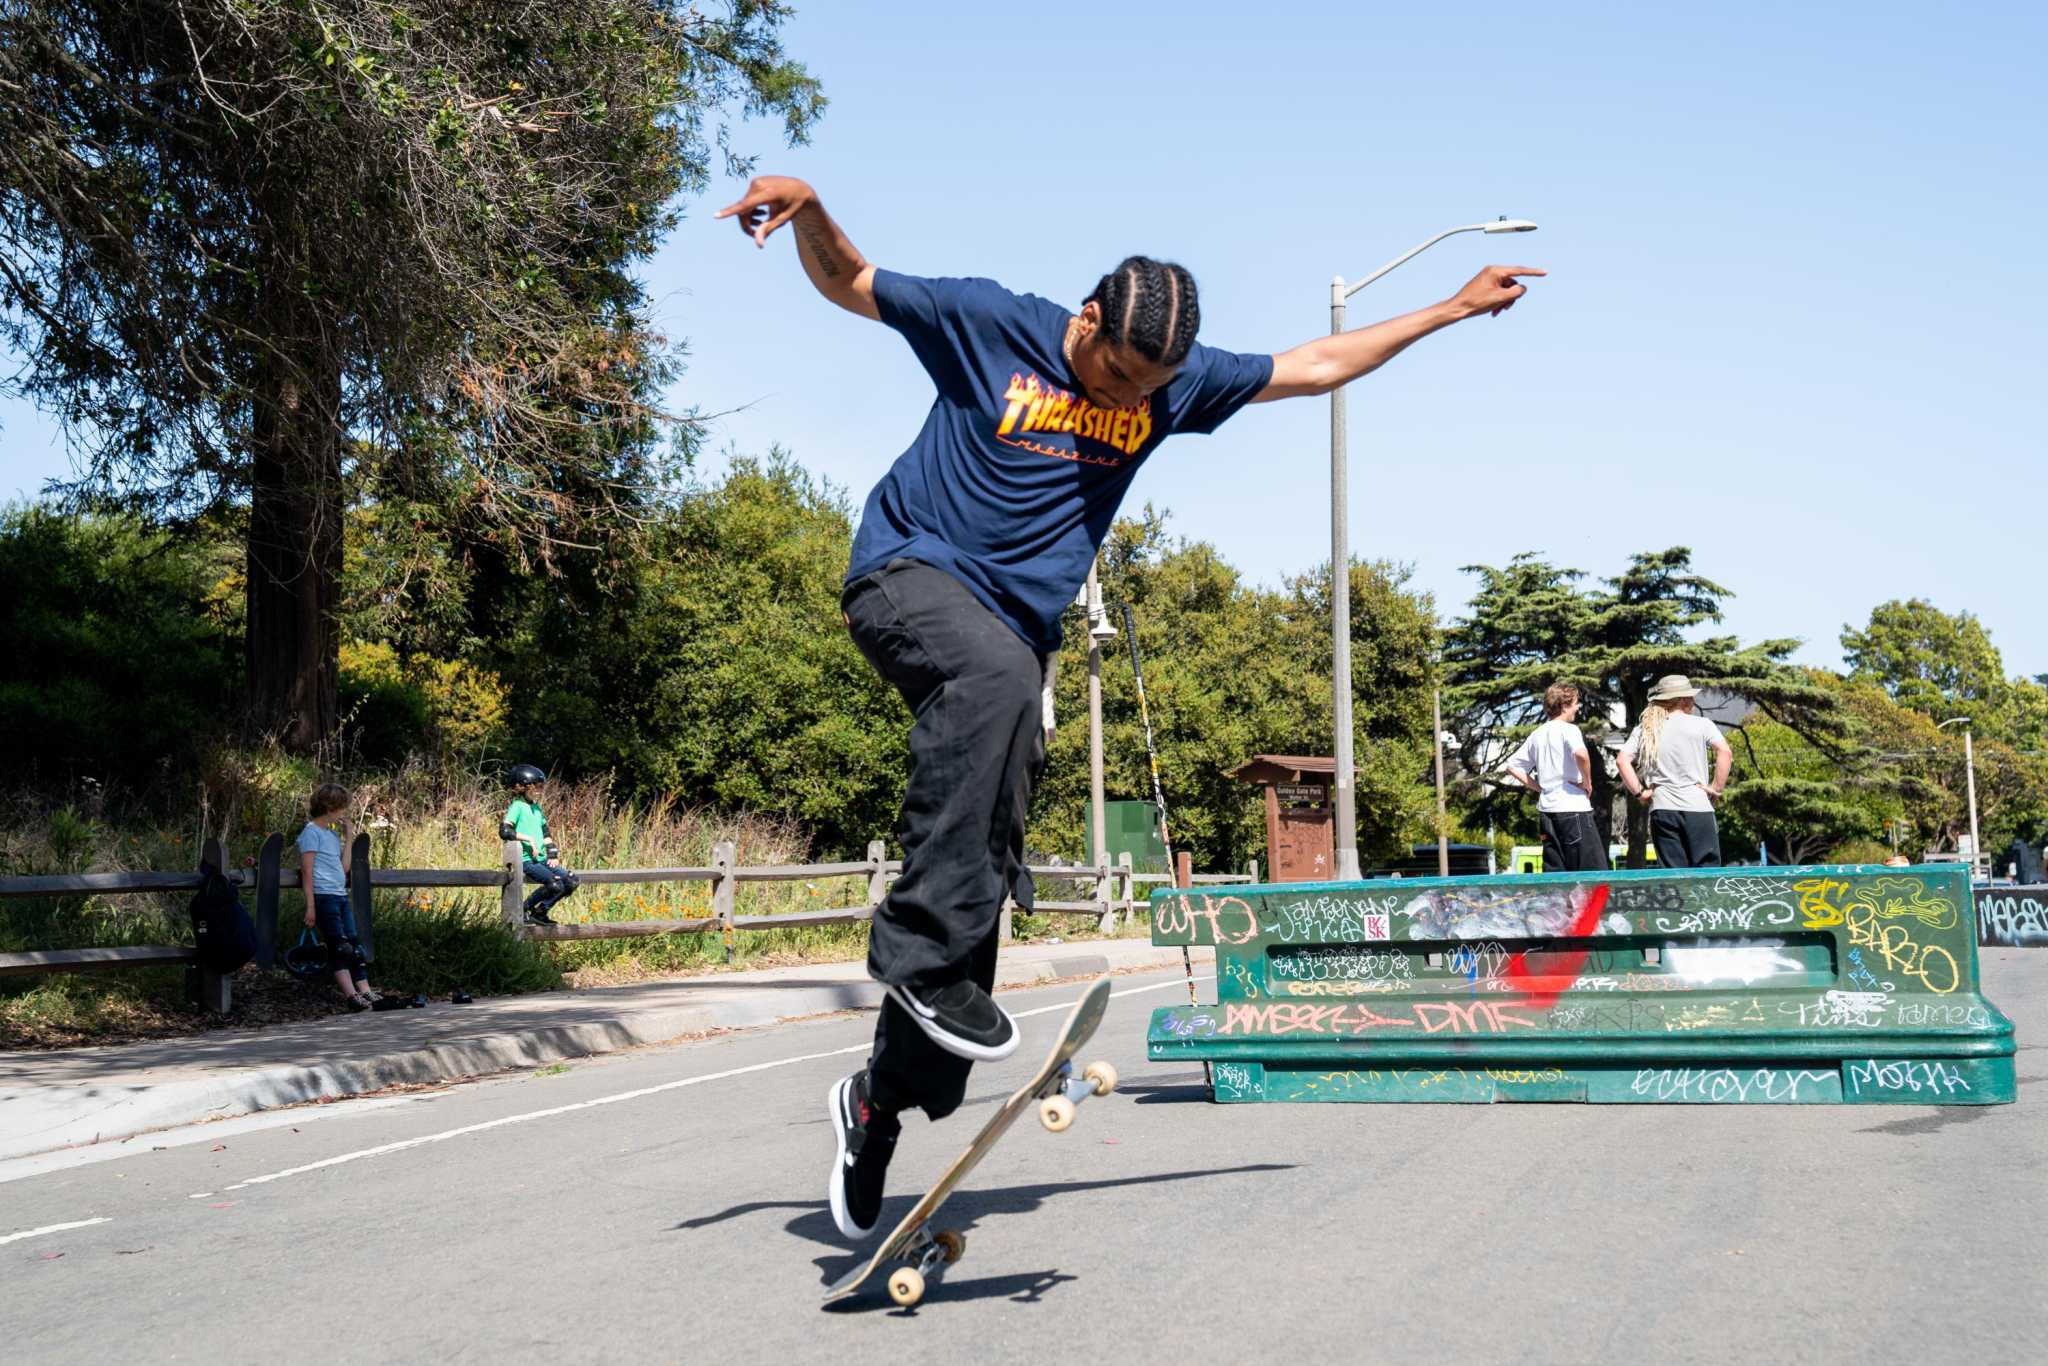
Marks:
<point>268,863</point>
<point>359,892</point>
<point>1054,1090</point>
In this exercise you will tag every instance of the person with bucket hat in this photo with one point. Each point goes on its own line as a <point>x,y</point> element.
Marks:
<point>1672,741</point>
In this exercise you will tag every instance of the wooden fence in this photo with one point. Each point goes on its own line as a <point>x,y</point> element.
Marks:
<point>1114,892</point>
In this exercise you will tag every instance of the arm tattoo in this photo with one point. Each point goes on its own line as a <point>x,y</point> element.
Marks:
<point>820,244</point>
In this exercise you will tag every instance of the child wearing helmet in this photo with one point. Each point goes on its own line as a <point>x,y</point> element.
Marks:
<point>541,859</point>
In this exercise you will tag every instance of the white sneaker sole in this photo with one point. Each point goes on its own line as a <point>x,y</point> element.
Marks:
<point>835,1194</point>
<point>953,1043</point>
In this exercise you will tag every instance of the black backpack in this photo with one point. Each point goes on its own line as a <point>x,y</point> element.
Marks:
<point>223,935</point>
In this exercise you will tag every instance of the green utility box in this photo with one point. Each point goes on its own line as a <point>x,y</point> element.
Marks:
<point>1133,828</point>
<point>1852,985</point>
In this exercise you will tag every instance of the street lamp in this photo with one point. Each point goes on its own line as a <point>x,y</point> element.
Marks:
<point>1970,777</point>
<point>1340,557</point>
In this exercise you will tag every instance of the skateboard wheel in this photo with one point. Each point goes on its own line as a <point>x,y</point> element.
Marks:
<point>1056,1113</point>
<point>906,1285</point>
<point>954,1245</point>
<point>1103,1075</point>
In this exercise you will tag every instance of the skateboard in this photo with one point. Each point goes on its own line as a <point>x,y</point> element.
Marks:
<point>1055,1090</point>
<point>359,892</point>
<point>268,860</point>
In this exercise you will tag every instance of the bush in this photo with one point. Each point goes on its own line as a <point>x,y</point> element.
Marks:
<point>117,666</point>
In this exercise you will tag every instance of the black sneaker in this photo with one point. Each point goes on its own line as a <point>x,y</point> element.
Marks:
<point>539,917</point>
<point>962,1019</point>
<point>867,1140</point>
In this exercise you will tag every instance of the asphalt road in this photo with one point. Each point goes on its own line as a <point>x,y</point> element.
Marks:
<point>667,1205</point>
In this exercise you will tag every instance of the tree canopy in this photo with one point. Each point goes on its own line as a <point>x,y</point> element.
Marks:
<point>257,250</point>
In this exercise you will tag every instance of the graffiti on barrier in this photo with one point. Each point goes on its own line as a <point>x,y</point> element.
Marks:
<point>1747,961</point>
<point>1494,912</point>
<point>1229,919</point>
<point>1933,966</point>
<point>1922,1013</point>
<point>2013,917</point>
<point>1917,1078</point>
<point>1340,962</point>
<point>1840,1009</point>
<point>1331,919</point>
<point>1728,1085</point>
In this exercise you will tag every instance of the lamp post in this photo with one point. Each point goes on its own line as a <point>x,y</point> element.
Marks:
<point>1969,777</point>
<point>1340,557</point>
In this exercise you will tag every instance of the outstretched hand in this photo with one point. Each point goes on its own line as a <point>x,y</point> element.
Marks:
<point>770,201</point>
<point>1492,291</point>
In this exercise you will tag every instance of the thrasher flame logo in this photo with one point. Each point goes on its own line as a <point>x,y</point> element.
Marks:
<point>1035,406</point>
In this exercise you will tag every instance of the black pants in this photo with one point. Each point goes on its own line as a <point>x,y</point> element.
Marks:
<point>1571,843</point>
<point>555,883</point>
<point>976,749</point>
<point>1686,839</point>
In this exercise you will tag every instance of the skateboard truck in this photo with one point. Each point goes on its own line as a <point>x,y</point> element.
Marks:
<point>1059,1098</point>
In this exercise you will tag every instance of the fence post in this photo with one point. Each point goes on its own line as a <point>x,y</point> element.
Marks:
<point>1184,869</point>
<point>216,991</point>
<point>1006,925</point>
<point>878,875</point>
<point>723,888</point>
<point>511,900</point>
<point>1252,867</point>
<point>1129,900</point>
<point>1107,923</point>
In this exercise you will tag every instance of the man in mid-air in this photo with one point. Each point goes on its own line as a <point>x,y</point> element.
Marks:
<point>968,550</point>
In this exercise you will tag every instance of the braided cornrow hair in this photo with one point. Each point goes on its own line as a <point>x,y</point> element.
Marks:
<point>1149,306</point>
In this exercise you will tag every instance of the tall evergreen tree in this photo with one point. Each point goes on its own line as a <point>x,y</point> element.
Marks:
<point>255,249</point>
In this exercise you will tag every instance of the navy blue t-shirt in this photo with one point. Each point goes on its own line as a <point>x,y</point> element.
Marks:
<point>1015,479</point>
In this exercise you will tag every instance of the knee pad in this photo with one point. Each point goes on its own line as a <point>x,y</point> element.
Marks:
<point>570,882</point>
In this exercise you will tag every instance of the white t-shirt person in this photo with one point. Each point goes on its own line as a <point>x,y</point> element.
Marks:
<point>1552,755</point>
<point>1678,777</point>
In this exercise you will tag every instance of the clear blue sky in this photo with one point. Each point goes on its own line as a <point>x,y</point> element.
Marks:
<point>1793,321</point>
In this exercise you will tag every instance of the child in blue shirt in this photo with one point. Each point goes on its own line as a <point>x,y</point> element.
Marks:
<point>323,876</point>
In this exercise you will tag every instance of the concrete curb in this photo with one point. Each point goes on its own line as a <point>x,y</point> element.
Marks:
<point>111,1105</point>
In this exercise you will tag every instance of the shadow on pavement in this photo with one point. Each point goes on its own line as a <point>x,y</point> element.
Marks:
<point>963,1209</point>
<point>1027,1287</point>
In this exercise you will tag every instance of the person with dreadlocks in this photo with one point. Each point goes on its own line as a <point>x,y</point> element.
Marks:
<point>1669,749</point>
<point>968,550</point>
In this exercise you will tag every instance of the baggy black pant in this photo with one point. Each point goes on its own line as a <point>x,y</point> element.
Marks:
<point>976,748</point>
<point>1571,843</point>
<point>1686,839</point>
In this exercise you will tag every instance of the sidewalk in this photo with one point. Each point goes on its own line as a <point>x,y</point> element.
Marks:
<point>86,1095</point>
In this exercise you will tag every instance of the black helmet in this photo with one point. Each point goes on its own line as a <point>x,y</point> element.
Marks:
<point>526,773</point>
<point>307,959</point>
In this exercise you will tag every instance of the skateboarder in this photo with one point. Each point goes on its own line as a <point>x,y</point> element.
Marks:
<point>968,550</point>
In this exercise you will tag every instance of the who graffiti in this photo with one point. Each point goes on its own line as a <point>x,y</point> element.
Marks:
<point>1182,918</point>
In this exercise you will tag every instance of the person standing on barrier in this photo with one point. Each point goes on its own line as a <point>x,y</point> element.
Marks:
<point>541,858</point>
<point>968,550</point>
<point>1672,742</point>
<point>1554,764</point>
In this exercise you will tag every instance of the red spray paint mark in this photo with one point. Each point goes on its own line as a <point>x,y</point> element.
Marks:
<point>1544,990</point>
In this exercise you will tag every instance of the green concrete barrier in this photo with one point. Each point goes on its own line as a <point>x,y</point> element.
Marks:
<point>1767,985</point>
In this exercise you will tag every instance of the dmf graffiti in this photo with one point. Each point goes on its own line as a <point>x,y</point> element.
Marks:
<point>1931,1078</point>
<point>1730,1086</point>
<point>2013,918</point>
<point>1279,1019</point>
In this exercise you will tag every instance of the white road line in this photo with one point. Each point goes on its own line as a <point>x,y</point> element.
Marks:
<point>504,1120</point>
<point>55,1228</point>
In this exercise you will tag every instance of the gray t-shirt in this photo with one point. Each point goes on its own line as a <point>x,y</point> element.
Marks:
<point>325,847</point>
<point>1678,779</point>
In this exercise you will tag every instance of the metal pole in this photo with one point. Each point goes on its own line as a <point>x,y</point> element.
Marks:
<point>1970,776</point>
<point>1443,844</point>
<point>1340,618</point>
<point>1097,829</point>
